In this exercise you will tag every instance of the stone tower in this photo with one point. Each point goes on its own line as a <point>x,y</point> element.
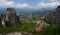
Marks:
<point>11,17</point>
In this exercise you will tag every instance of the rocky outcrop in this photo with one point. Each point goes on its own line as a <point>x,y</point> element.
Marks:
<point>54,16</point>
<point>2,20</point>
<point>18,33</point>
<point>9,18</point>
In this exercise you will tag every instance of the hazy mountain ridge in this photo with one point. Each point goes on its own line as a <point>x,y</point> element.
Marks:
<point>28,10</point>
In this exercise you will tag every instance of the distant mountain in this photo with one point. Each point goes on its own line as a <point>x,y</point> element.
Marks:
<point>2,10</point>
<point>24,10</point>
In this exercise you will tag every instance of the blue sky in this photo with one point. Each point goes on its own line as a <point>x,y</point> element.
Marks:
<point>34,4</point>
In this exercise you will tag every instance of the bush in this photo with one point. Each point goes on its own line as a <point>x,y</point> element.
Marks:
<point>54,30</point>
<point>26,26</point>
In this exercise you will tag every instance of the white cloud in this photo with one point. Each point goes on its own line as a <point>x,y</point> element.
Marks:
<point>22,5</point>
<point>49,4</point>
<point>5,3</point>
<point>10,3</point>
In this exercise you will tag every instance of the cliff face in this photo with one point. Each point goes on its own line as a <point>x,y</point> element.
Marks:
<point>54,16</point>
<point>9,18</point>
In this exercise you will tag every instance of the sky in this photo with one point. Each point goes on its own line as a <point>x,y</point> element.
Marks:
<point>34,4</point>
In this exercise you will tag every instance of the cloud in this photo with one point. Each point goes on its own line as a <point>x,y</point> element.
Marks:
<point>5,3</point>
<point>49,4</point>
<point>11,3</point>
<point>22,5</point>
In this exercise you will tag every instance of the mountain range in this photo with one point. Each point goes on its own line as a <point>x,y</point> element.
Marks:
<point>28,10</point>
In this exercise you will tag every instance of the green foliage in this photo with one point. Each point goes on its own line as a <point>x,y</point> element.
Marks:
<point>54,30</point>
<point>37,17</point>
<point>26,26</point>
<point>29,26</point>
